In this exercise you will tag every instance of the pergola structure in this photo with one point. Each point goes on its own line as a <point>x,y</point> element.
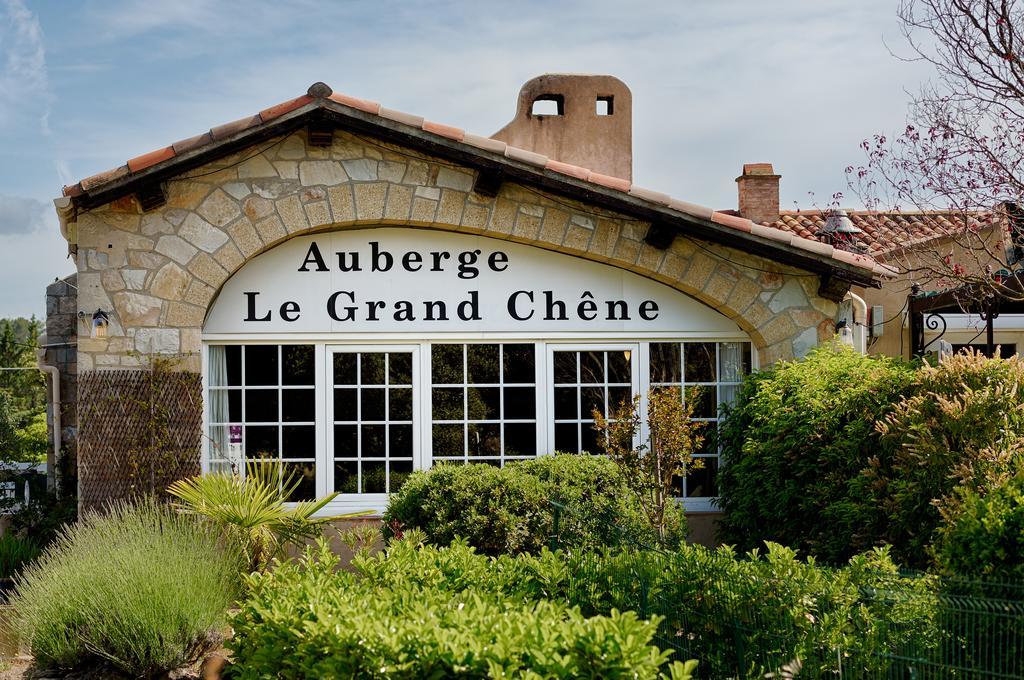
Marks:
<point>928,310</point>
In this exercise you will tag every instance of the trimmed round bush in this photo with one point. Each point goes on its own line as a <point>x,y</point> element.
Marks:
<point>142,588</point>
<point>798,436</point>
<point>509,510</point>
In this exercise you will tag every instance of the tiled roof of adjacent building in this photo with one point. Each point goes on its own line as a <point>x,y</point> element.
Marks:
<point>885,232</point>
<point>320,96</point>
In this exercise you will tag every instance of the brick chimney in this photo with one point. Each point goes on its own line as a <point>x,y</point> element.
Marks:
<point>759,192</point>
<point>585,120</point>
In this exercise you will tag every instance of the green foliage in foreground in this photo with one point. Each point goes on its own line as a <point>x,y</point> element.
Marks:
<point>15,553</point>
<point>986,537</point>
<point>143,588</point>
<point>307,620</point>
<point>781,607</point>
<point>508,510</point>
<point>251,511</point>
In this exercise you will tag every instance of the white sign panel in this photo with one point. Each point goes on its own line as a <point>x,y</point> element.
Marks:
<point>410,280</point>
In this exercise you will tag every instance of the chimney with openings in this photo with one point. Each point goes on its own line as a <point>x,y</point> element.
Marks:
<point>584,120</point>
<point>759,192</point>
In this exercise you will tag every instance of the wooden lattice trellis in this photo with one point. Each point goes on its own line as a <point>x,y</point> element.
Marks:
<point>138,431</point>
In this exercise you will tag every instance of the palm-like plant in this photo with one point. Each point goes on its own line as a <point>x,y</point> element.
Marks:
<point>252,509</point>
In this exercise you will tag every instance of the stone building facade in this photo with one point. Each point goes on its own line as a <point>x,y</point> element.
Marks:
<point>156,240</point>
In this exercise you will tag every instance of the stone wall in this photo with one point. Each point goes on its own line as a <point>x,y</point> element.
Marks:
<point>158,272</point>
<point>60,350</point>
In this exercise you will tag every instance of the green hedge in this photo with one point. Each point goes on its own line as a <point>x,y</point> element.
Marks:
<point>795,442</point>
<point>141,588</point>
<point>508,510</point>
<point>307,620</point>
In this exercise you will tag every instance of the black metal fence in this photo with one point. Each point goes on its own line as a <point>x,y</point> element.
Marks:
<point>775,616</point>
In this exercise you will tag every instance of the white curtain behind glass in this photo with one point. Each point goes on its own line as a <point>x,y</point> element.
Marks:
<point>731,362</point>
<point>218,375</point>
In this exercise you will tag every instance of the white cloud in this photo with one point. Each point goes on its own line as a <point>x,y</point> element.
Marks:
<point>24,84</point>
<point>22,215</point>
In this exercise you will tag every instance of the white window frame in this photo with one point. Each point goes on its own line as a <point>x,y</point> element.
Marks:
<point>544,346</point>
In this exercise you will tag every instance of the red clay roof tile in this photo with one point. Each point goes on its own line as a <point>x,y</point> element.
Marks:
<point>228,129</point>
<point>524,156</point>
<point>485,143</point>
<point>152,158</point>
<point>186,145</point>
<point>103,177</point>
<point>568,169</point>
<point>401,117</point>
<point>284,107</point>
<point>732,221</point>
<point>354,102</point>
<point>458,134</point>
<point>648,195</point>
<point>616,183</point>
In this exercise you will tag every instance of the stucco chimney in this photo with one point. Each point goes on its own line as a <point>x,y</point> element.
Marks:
<point>585,120</point>
<point>759,192</point>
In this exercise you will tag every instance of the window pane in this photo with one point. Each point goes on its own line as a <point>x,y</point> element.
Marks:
<point>372,403</point>
<point>521,403</point>
<point>520,439</point>
<point>666,362</point>
<point>519,363</point>
<point>448,440</point>
<point>374,477</point>
<point>261,442</point>
<point>371,368</point>
<point>566,437</point>
<point>591,367</point>
<point>484,403</point>
<point>373,441</point>
<point>566,403</point>
<point>225,406</point>
<point>298,405</point>
<point>297,365</point>
<point>234,358</point>
<point>345,368</point>
<point>482,363</point>
<point>400,368</point>
<point>345,404</point>
<point>261,365</point>
<point>704,399</point>
<point>401,441</point>
<point>485,439</point>
<point>400,471</point>
<point>446,364</point>
<point>305,475</point>
<point>619,397</point>
<point>592,398</point>
<point>225,365</point>
<point>589,439</point>
<point>299,441</point>
<point>346,442</point>
<point>346,477</point>
<point>700,361</point>
<point>400,403</point>
<point>734,361</point>
<point>565,367</point>
<point>447,403</point>
<point>620,369</point>
<point>703,482</point>
<point>261,406</point>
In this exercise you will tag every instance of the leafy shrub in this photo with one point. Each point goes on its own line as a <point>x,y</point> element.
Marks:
<point>798,435</point>
<point>963,426</point>
<point>986,538</point>
<point>142,588</point>
<point>784,609</point>
<point>15,553</point>
<point>252,510</point>
<point>508,510</point>
<point>346,625</point>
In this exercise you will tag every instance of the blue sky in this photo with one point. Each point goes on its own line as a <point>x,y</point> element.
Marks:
<point>86,85</point>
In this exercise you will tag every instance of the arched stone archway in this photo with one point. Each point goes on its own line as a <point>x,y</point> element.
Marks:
<point>158,272</point>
